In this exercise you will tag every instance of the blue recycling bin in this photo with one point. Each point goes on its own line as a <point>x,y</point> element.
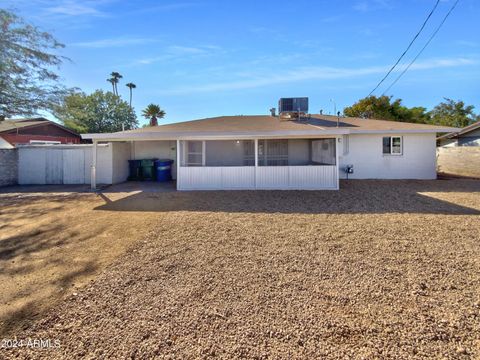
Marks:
<point>163,169</point>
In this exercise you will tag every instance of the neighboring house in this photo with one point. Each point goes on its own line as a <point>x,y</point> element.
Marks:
<point>277,152</point>
<point>468,136</point>
<point>39,130</point>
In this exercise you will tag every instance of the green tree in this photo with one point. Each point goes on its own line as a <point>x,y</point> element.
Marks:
<point>153,112</point>
<point>453,113</point>
<point>384,108</point>
<point>28,63</point>
<point>131,86</point>
<point>95,113</point>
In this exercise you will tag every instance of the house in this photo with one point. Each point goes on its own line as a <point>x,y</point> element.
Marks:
<point>468,136</point>
<point>288,151</point>
<point>39,130</point>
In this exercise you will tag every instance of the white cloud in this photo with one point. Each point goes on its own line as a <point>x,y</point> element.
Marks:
<point>468,43</point>
<point>369,5</point>
<point>167,7</point>
<point>114,42</point>
<point>311,73</point>
<point>178,52</point>
<point>76,8</point>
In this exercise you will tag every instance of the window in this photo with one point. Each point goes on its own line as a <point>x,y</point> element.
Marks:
<point>193,153</point>
<point>323,152</point>
<point>273,152</point>
<point>229,153</point>
<point>392,145</point>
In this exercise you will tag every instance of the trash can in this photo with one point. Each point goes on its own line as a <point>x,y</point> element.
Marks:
<point>163,169</point>
<point>135,169</point>
<point>148,169</point>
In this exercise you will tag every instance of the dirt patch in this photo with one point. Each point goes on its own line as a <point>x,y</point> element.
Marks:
<point>380,269</point>
<point>52,243</point>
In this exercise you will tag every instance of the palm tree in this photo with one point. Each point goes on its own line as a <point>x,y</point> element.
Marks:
<point>153,112</point>
<point>131,86</point>
<point>114,79</point>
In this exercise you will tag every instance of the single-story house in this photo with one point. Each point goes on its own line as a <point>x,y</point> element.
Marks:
<point>278,152</point>
<point>37,130</point>
<point>468,136</point>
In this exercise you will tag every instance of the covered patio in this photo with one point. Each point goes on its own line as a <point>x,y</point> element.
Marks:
<point>242,163</point>
<point>247,164</point>
<point>238,152</point>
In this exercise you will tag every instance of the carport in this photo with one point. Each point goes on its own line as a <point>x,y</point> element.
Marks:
<point>124,149</point>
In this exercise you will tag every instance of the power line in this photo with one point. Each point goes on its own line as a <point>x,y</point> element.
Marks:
<point>424,47</point>
<point>408,47</point>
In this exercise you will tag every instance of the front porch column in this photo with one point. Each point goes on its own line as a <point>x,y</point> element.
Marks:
<point>93,174</point>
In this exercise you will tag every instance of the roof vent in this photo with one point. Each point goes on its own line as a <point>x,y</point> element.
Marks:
<point>272,111</point>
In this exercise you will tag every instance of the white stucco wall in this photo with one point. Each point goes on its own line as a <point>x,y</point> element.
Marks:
<point>418,160</point>
<point>155,149</point>
<point>120,155</point>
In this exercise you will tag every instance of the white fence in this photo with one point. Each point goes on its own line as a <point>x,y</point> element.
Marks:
<point>57,164</point>
<point>263,177</point>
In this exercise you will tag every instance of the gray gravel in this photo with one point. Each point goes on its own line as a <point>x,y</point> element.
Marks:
<point>376,270</point>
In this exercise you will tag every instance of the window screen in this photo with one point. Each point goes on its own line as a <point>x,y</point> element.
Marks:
<point>191,153</point>
<point>323,152</point>
<point>229,153</point>
<point>396,145</point>
<point>273,152</point>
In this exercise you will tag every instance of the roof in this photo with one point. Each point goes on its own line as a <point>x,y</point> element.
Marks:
<point>13,124</point>
<point>463,131</point>
<point>269,126</point>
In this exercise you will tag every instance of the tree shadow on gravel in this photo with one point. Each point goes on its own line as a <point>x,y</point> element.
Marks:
<point>25,308</point>
<point>354,197</point>
<point>37,269</point>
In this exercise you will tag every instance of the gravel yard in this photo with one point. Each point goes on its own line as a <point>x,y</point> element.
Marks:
<point>379,269</point>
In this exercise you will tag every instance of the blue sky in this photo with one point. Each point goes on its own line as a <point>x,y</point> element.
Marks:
<point>201,58</point>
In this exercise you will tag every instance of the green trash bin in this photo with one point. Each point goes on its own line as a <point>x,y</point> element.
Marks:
<point>147,162</point>
<point>148,169</point>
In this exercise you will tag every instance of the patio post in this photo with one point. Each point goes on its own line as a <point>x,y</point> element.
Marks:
<point>256,160</point>
<point>337,140</point>
<point>93,178</point>
<point>178,163</point>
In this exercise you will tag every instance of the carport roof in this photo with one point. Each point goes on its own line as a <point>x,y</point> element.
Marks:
<point>250,126</point>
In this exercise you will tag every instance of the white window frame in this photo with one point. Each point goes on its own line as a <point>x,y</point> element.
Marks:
<point>186,153</point>
<point>391,146</point>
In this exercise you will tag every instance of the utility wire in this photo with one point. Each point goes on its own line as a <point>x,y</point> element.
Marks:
<point>408,47</point>
<point>424,47</point>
